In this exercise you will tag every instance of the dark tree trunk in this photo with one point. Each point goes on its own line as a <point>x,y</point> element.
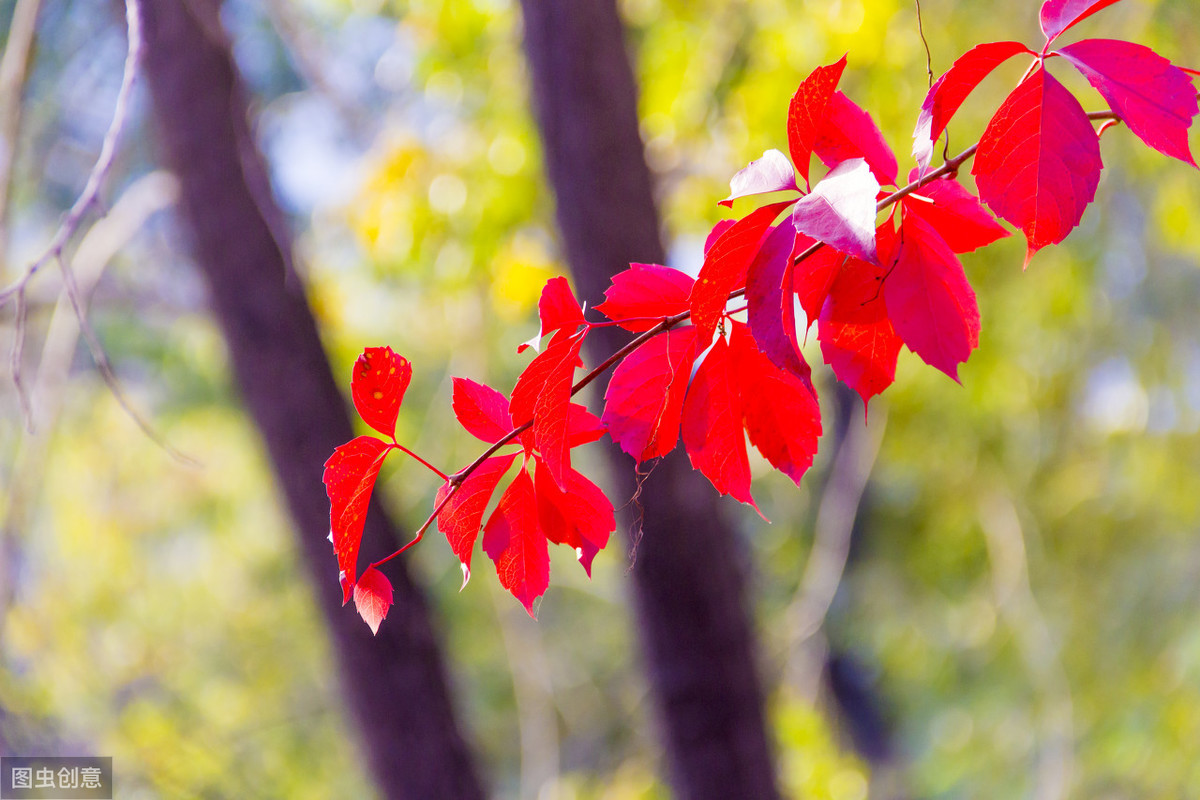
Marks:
<point>394,684</point>
<point>689,574</point>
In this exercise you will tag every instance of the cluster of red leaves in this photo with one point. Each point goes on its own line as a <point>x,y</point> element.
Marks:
<point>696,370</point>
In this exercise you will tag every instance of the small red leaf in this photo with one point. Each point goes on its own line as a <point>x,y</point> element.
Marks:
<point>1152,96</point>
<point>712,426</point>
<point>349,478</point>
<point>950,90</point>
<point>462,516</point>
<point>1058,15</point>
<point>380,378</point>
<point>725,266</point>
<point>373,597</point>
<point>580,517</point>
<point>849,132</point>
<point>716,233</point>
<point>644,294</point>
<point>929,301</point>
<point>644,400</point>
<point>582,426</point>
<point>771,309</point>
<point>542,394</point>
<point>779,411</point>
<point>771,173</point>
<point>857,338</point>
<point>482,410</point>
<point>806,114</point>
<point>1038,163</point>
<point>813,277</point>
<point>841,210</point>
<point>956,214</point>
<point>513,539</point>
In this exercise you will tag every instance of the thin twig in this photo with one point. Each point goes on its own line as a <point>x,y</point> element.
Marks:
<point>928,56</point>
<point>14,67</point>
<point>108,149</point>
<point>18,347</point>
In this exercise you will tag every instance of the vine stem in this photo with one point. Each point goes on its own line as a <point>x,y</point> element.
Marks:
<point>455,481</point>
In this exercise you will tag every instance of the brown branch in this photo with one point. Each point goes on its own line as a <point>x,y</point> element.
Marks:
<point>949,167</point>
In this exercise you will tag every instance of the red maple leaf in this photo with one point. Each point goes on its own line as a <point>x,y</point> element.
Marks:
<point>641,296</point>
<point>857,338</point>
<point>770,309</point>
<point>849,132</point>
<point>771,173</point>
<point>377,386</point>
<point>373,597</point>
<point>840,211</point>
<point>1038,163</point>
<point>558,310</point>
<point>929,301</point>
<point>644,400</point>
<point>806,113</point>
<point>1058,15</point>
<point>513,539</point>
<point>779,411</point>
<point>543,394</point>
<point>956,214</point>
<point>712,426</point>
<point>580,517</point>
<point>461,516</point>
<point>349,478</point>
<point>950,90</point>
<point>482,410</point>
<point>1152,96</point>
<point>725,266</point>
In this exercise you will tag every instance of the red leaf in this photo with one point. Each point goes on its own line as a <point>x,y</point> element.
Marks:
<point>771,173</point>
<point>582,426</point>
<point>956,214</point>
<point>806,114</point>
<point>725,266</point>
<point>712,426</point>
<point>542,394</point>
<point>950,90</point>
<point>373,597</point>
<point>461,517</point>
<point>857,338</point>
<point>380,378</point>
<point>349,478</point>
<point>929,301</point>
<point>716,233</point>
<point>580,517</point>
<point>644,294</point>
<point>1058,15</point>
<point>849,132</point>
<point>1038,163</point>
<point>482,410</point>
<point>644,400</point>
<point>813,277</point>
<point>1152,96</point>
<point>779,411</point>
<point>515,542</point>
<point>558,310</point>
<point>841,210</point>
<point>771,309</point>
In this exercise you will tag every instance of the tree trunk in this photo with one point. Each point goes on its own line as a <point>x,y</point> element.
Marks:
<point>395,683</point>
<point>689,573</point>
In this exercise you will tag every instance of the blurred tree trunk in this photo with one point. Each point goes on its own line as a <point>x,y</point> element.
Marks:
<point>689,574</point>
<point>394,684</point>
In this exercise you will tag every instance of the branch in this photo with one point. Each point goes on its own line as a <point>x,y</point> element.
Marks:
<point>949,167</point>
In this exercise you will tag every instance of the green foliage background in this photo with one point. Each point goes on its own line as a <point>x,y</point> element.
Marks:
<point>1022,596</point>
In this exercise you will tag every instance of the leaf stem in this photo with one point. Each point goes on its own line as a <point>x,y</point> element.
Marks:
<point>429,466</point>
